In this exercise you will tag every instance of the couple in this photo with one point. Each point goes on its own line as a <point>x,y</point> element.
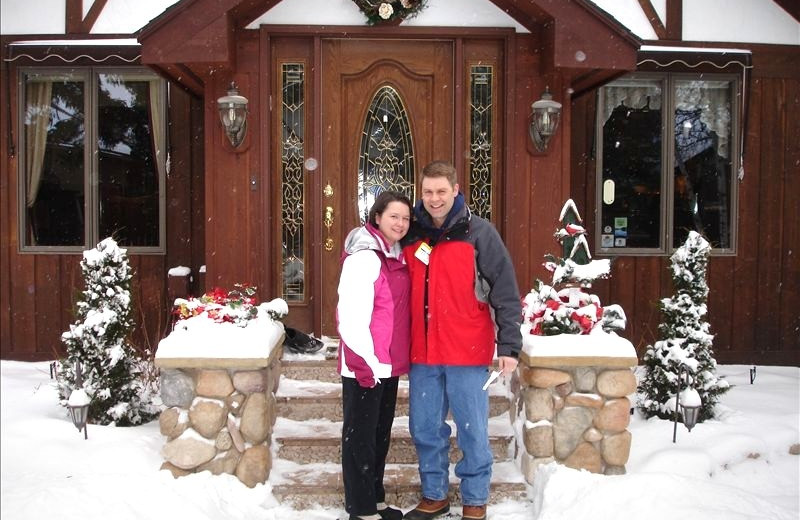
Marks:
<point>445,291</point>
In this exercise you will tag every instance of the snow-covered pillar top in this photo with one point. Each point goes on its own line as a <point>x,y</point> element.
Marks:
<point>578,350</point>
<point>221,345</point>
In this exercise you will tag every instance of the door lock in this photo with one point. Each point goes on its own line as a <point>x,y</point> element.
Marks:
<point>328,223</point>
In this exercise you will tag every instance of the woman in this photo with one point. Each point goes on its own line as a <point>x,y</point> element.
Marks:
<point>374,327</point>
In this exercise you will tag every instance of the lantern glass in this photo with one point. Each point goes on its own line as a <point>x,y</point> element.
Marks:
<point>545,117</point>
<point>233,115</point>
<point>79,415</point>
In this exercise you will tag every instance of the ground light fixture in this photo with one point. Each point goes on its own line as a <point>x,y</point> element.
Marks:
<point>78,403</point>
<point>233,115</point>
<point>688,401</point>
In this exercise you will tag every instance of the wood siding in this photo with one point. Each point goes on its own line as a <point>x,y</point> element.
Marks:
<point>228,222</point>
<point>754,295</point>
<point>38,292</point>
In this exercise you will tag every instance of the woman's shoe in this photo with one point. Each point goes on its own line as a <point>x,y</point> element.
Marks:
<point>390,513</point>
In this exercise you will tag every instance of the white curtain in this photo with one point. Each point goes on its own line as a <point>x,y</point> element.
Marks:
<point>713,100</point>
<point>157,125</point>
<point>646,95</point>
<point>37,122</point>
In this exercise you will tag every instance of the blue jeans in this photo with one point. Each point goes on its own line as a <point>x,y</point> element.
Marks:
<point>433,390</point>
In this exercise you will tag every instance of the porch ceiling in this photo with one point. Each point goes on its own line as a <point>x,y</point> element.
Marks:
<point>581,40</point>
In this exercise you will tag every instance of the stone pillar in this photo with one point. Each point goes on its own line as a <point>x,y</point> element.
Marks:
<point>220,414</point>
<point>576,406</point>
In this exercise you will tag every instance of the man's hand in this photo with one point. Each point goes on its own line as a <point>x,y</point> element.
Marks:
<point>507,364</point>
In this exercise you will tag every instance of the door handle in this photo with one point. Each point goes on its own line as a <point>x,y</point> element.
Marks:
<point>327,221</point>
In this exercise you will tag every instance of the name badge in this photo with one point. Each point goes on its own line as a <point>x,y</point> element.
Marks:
<point>423,253</point>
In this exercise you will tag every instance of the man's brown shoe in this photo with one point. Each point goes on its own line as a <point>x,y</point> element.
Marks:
<point>428,509</point>
<point>473,513</point>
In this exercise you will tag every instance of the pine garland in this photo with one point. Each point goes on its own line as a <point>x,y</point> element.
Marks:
<point>685,338</point>
<point>383,12</point>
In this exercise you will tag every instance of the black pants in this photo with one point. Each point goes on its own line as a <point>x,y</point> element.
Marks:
<point>366,432</point>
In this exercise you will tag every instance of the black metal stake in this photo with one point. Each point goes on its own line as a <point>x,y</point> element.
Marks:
<point>752,374</point>
<point>682,368</point>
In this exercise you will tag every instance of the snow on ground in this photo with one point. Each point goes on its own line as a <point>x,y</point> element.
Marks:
<point>735,467</point>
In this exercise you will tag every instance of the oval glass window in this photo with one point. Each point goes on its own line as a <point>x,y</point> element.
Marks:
<point>386,152</point>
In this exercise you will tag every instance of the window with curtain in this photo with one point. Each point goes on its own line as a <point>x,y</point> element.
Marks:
<point>666,154</point>
<point>94,159</point>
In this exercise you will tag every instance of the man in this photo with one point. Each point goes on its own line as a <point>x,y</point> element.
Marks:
<point>463,289</point>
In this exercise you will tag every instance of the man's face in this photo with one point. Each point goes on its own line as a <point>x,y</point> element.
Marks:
<point>438,196</point>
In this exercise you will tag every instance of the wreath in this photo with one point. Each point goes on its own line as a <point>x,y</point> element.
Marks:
<point>387,11</point>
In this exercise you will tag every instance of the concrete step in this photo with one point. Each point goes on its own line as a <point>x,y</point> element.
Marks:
<point>309,485</point>
<point>311,370</point>
<point>319,441</point>
<point>301,400</point>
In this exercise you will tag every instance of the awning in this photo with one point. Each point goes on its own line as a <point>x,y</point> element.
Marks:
<point>693,57</point>
<point>96,50</point>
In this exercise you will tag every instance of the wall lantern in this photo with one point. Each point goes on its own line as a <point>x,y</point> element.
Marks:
<point>78,403</point>
<point>233,114</point>
<point>688,401</point>
<point>545,115</point>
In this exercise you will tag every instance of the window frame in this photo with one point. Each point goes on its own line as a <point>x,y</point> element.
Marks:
<point>91,182</point>
<point>667,216</point>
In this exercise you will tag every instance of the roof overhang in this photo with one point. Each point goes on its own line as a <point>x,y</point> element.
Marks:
<point>583,41</point>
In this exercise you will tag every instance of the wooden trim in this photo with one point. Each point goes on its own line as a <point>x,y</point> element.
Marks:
<point>652,17</point>
<point>674,20</point>
<point>75,22</point>
<point>315,255</point>
<point>93,14</point>
<point>459,107</point>
<point>790,6</point>
<point>510,119</point>
<point>74,17</point>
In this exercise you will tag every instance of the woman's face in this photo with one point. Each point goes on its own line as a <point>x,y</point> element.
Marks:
<point>394,221</point>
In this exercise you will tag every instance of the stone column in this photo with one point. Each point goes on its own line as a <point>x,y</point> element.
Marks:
<point>220,413</point>
<point>576,405</point>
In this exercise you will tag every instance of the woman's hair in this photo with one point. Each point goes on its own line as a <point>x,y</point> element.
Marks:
<point>383,200</point>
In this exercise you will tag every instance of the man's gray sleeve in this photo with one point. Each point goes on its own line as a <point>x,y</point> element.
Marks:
<point>494,266</point>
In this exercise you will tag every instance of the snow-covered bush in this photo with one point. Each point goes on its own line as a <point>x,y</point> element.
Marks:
<point>684,338</point>
<point>111,371</point>
<point>565,306</point>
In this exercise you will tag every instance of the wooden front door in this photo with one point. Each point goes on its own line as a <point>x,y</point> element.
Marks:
<point>379,110</point>
<point>387,110</point>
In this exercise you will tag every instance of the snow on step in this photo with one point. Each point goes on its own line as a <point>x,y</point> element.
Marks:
<point>319,440</point>
<point>309,399</point>
<point>307,485</point>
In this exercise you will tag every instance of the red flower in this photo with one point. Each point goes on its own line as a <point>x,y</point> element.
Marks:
<point>584,322</point>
